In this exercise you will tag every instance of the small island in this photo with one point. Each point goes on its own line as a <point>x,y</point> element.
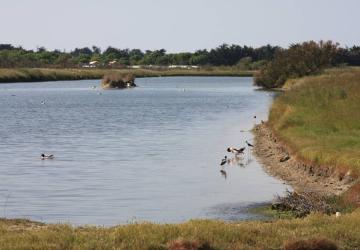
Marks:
<point>116,80</point>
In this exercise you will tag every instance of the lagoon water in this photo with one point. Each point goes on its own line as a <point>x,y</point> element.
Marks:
<point>151,153</point>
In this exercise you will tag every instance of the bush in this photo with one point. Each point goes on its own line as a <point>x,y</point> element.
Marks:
<point>118,80</point>
<point>299,60</point>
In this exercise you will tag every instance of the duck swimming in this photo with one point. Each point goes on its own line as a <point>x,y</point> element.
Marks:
<point>45,157</point>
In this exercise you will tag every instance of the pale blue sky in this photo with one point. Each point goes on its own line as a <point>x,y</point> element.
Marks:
<point>183,25</point>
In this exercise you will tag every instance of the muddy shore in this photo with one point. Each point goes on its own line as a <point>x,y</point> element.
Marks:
<point>301,176</point>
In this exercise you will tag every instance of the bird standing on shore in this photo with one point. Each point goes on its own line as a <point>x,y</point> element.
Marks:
<point>45,157</point>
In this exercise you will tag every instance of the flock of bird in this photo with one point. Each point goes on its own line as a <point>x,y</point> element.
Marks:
<point>237,152</point>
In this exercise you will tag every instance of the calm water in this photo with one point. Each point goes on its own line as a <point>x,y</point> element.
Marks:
<point>149,153</point>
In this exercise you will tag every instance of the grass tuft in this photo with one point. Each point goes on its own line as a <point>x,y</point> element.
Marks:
<point>311,244</point>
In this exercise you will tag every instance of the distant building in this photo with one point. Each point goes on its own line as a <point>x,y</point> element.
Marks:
<point>112,62</point>
<point>135,66</point>
<point>92,64</point>
<point>183,67</point>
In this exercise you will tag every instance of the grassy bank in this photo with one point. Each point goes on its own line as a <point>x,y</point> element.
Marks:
<point>36,75</point>
<point>319,119</point>
<point>344,231</point>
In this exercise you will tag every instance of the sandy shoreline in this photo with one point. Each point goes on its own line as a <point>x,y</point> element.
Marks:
<point>299,175</point>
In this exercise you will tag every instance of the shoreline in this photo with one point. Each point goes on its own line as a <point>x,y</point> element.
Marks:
<point>301,176</point>
<point>13,75</point>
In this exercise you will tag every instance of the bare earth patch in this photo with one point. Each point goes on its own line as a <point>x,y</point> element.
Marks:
<point>303,177</point>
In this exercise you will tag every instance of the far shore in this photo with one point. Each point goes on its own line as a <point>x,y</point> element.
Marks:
<point>11,75</point>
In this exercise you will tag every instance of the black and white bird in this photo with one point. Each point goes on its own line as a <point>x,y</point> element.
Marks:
<point>236,151</point>
<point>249,144</point>
<point>45,157</point>
<point>223,161</point>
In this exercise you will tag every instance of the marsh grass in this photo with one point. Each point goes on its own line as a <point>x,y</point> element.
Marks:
<point>343,231</point>
<point>43,74</point>
<point>319,119</point>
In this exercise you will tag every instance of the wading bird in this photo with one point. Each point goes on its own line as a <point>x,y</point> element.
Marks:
<point>44,157</point>
<point>236,151</point>
<point>249,144</point>
<point>223,161</point>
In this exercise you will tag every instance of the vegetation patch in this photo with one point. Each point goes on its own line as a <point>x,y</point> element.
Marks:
<point>311,244</point>
<point>115,80</point>
<point>299,60</point>
<point>344,231</point>
<point>319,121</point>
<point>304,203</point>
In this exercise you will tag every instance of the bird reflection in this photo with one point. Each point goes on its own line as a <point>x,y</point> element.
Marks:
<point>235,161</point>
<point>223,173</point>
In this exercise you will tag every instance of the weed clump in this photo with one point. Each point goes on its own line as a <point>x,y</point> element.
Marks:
<point>311,244</point>
<point>183,244</point>
<point>118,80</point>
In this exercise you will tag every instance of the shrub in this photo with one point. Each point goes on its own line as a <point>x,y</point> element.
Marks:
<point>118,80</point>
<point>299,60</point>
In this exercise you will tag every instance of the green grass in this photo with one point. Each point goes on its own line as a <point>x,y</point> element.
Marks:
<point>34,75</point>
<point>345,231</point>
<point>319,119</point>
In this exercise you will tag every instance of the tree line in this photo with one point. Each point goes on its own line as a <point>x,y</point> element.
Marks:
<point>223,55</point>
<point>275,64</point>
<point>302,59</point>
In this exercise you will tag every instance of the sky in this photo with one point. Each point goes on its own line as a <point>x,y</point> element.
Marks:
<point>176,25</point>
